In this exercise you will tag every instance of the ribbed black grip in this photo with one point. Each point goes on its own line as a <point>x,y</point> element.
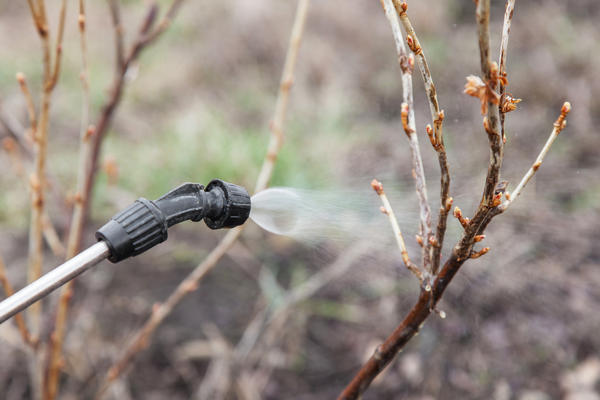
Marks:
<point>144,224</point>
<point>134,230</point>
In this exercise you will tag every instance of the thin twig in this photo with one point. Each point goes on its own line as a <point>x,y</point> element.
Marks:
<point>510,8</point>
<point>38,181</point>
<point>12,148</point>
<point>29,101</point>
<point>47,228</point>
<point>436,136</point>
<point>559,125</point>
<point>387,210</point>
<point>8,291</point>
<point>164,23</point>
<point>408,122</point>
<point>56,339</point>
<point>415,46</point>
<point>58,49</point>
<point>115,13</point>
<point>38,178</point>
<point>287,80</point>
<point>490,122</point>
<point>16,131</point>
<point>142,338</point>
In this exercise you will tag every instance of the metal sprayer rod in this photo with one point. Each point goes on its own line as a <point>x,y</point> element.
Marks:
<point>53,279</point>
<point>139,227</point>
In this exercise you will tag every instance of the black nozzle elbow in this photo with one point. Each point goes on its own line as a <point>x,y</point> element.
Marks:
<point>144,224</point>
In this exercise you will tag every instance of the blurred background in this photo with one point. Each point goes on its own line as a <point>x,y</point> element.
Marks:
<point>522,322</point>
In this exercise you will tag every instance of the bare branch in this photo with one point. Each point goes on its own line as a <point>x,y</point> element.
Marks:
<point>490,76</point>
<point>510,8</point>
<point>387,210</point>
<point>115,13</point>
<point>8,291</point>
<point>435,135</point>
<point>38,177</point>
<point>408,122</point>
<point>287,80</point>
<point>559,125</point>
<point>163,24</point>
<point>29,101</point>
<point>489,207</point>
<point>58,50</point>
<point>16,131</point>
<point>77,219</point>
<point>11,147</point>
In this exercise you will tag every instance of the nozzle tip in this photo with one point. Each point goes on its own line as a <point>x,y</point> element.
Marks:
<point>236,205</point>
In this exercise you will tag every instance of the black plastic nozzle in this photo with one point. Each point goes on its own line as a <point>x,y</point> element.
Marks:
<point>144,224</point>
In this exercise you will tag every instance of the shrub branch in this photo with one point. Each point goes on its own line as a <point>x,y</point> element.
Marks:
<point>435,134</point>
<point>490,206</point>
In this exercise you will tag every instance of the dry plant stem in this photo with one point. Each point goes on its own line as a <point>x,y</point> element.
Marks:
<point>558,127</point>
<point>115,13</point>
<point>413,321</point>
<point>408,122</point>
<point>510,8</point>
<point>16,131</point>
<point>492,118</point>
<point>8,291</point>
<point>29,101</point>
<point>164,23</point>
<point>38,178</point>
<point>415,46</point>
<point>387,210</point>
<point>142,338</point>
<point>427,301</point>
<point>287,80</point>
<point>57,337</point>
<point>437,118</point>
<point>12,148</point>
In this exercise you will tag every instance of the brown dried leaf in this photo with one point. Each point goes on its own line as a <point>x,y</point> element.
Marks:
<point>477,88</point>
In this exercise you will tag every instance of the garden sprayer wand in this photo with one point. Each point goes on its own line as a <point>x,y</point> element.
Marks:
<point>138,228</point>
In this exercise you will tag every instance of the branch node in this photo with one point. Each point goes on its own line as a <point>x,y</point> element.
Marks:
<point>449,202</point>
<point>478,238</point>
<point>479,253</point>
<point>433,241</point>
<point>377,187</point>
<point>440,313</point>
<point>509,103</point>
<point>488,128</point>
<point>404,117</point>
<point>419,240</point>
<point>561,122</point>
<point>459,215</point>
